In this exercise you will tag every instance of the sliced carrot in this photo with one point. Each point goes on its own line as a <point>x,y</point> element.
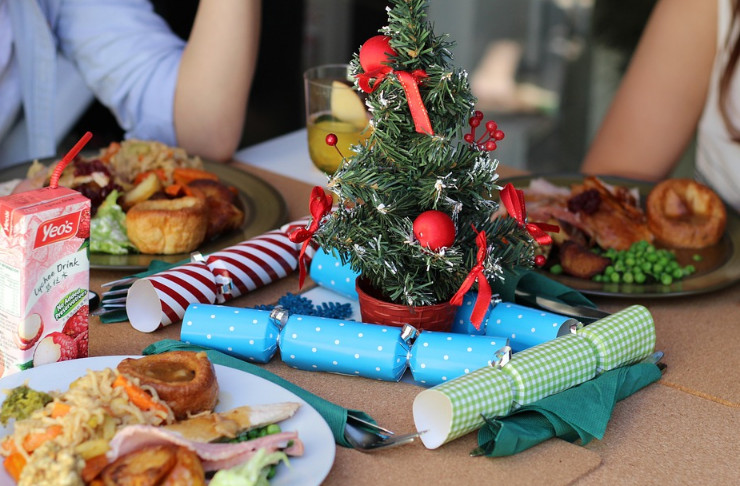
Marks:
<point>174,190</point>
<point>112,150</point>
<point>143,175</point>
<point>14,464</point>
<point>59,409</point>
<point>92,467</point>
<point>8,445</point>
<point>33,441</point>
<point>138,395</point>
<point>185,176</point>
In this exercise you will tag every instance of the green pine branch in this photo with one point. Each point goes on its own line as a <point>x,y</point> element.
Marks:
<point>398,174</point>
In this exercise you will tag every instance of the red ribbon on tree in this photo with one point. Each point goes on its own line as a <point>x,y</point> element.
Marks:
<point>373,58</point>
<point>483,300</point>
<point>513,200</point>
<point>319,205</point>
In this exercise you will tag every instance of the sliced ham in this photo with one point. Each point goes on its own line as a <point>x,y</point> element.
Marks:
<point>214,456</point>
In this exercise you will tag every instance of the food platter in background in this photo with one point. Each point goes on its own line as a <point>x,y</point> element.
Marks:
<point>236,387</point>
<point>718,267</point>
<point>264,209</point>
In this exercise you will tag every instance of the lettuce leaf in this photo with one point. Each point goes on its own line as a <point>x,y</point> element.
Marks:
<point>108,229</point>
<point>254,472</point>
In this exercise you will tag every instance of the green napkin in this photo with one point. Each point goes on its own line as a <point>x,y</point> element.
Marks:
<point>119,315</point>
<point>334,415</point>
<point>581,412</point>
<point>536,283</point>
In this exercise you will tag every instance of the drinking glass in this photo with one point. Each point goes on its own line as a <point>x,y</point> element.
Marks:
<point>333,106</point>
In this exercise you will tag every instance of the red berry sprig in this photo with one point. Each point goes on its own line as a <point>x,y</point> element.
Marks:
<point>540,260</point>
<point>488,140</point>
<point>331,140</point>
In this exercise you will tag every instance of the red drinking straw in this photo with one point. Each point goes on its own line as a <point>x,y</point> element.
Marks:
<point>67,159</point>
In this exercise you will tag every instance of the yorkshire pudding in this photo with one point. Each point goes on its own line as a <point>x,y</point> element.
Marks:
<point>683,213</point>
<point>184,379</point>
<point>167,226</point>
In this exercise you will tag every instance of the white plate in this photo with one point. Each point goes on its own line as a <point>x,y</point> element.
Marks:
<point>236,388</point>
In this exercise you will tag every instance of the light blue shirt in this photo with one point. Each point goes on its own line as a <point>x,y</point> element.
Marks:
<point>64,50</point>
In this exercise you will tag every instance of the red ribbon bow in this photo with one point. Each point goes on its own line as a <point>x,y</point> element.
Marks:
<point>410,82</point>
<point>483,300</point>
<point>513,200</point>
<point>320,205</point>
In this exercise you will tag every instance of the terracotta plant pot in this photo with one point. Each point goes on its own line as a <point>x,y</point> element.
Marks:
<point>374,310</point>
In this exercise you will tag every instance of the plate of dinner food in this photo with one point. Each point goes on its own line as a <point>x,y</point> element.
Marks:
<point>627,238</point>
<point>173,418</point>
<point>150,201</point>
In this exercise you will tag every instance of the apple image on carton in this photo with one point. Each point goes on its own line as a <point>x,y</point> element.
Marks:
<point>29,332</point>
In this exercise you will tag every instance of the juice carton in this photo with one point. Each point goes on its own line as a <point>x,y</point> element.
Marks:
<point>44,277</point>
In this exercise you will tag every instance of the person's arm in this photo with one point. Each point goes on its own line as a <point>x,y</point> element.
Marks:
<point>215,77</point>
<point>657,107</point>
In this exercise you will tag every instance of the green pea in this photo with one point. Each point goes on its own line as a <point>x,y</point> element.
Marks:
<point>696,257</point>
<point>666,279</point>
<point>640,278</point>
<point>273,429</point>
<point>628,277</point>
<point>614,277</point>
<point>556,269</point>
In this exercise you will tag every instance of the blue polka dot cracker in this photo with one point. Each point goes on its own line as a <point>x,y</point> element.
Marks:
<point>245,333</point>
<point>437,357</point>
<point>345,347</point>
<point>462,323</point>
<point>329,272</point>
<point>525,326</point>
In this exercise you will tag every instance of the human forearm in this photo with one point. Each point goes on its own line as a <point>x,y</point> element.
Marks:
<point>215,77</point>
<point>657,107</point>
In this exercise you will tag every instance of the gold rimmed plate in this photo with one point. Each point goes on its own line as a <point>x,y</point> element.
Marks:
<point>718,266</point>
<point>264,209</point>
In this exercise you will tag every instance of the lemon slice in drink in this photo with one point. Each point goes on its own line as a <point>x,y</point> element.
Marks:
<point>347,106</point>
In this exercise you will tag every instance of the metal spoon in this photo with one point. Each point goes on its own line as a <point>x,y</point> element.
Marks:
<point>368,437</point>
<point>366,441</point>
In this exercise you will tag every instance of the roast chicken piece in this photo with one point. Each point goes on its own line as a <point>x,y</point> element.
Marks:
<point>618,222</point>
<point>208,427</point>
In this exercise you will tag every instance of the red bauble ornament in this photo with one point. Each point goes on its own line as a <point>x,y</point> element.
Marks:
<point>540,260</point>
<point>375,53</point>
<point>434,230</point>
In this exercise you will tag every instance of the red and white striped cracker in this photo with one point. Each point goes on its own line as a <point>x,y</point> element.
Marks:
<point>255,262</point>
<point>161,299</point>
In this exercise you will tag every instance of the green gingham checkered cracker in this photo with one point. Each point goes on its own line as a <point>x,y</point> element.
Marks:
<point>454,408</point>
<point>550,367</point>
<point>623,338</point>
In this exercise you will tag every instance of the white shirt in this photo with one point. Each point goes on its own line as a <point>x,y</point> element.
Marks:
<point>717,155</point>
<point>10,94</point>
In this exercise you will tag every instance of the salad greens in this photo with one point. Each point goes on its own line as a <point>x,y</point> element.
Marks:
<point>254,472</point>
<point>108,229</point>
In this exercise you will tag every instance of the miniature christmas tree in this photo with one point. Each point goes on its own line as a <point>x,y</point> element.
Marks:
<point>416,199</point>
